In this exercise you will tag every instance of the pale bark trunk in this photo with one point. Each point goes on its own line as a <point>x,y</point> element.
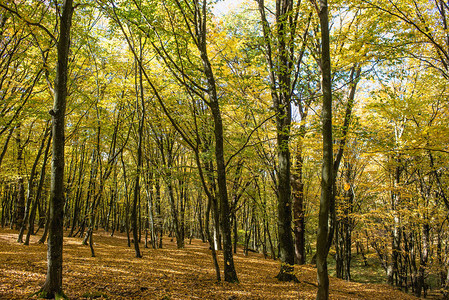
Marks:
<point>298,203</point>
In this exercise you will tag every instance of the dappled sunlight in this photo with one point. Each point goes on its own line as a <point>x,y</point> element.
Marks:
<point>19,273</point>
<point>169,272</point>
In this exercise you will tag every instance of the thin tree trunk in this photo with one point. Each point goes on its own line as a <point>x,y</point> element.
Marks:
<point>150,212</point>
<point>200,217</point>
<point>229,270</point>
<point>136,192</point>
<point>393,273</point>
<point>29,199</point>
<point>5,146</point>
<point>78,194</point>
<point>20,204</point>
<point>354,79</point>
<point>90,191</point>
<point>236,237</point>
<point>159,223</point>
<point>43,238</point>
<point>210,239</point>
<point>38,192</point>
<point>173,209</point>
<point>298,203</point>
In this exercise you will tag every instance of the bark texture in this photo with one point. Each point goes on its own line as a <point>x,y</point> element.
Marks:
<point>53,284</point>
<point>327,169</point>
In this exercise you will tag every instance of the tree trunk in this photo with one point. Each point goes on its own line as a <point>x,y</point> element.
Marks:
<point>29,199</point>
<point>200,217</point>
<point>150,210</point>
<point>90,191</point>
<point>281,91</point>
<point>78,194</point>
<point>421,285</point>
<point>174,211</point>
<point>354,79</point>
<point>298,204</point>
<point>5,146</point>
<point>159,223</point>
<point>229,269</point>
<point>43,238</point>
<point>393,269</point>
<point>53,284</point>
<point>38,193</point>
<point>327,169</point>
<point>20,204</point>
<point>210,239</point>
<point>136,194</point>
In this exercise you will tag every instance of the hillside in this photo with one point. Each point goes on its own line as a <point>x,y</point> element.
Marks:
<point>166,273</point>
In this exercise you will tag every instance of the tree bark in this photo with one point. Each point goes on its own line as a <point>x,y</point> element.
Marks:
<point>354,79</point>
<point>210,239</point>
<point>5,146</point>
<point>136,194</point>
<point>282,63</point>
<point>20,204</point>
<point>229,270</point>
<point>298,203</point>
<point>159,217</point>
<point>327,168</point>
<point>53,285</point>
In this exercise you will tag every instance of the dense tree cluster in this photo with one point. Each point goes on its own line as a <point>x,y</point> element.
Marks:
<point>297,129</point>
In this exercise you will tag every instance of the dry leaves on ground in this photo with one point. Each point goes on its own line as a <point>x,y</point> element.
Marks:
<point>167,273</point>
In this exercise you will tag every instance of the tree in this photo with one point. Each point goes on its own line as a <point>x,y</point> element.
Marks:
<point>52,287</point>
<point>193,15</point>
<point>408,106</point>
<point>327,174</point>
<point>283,65</point>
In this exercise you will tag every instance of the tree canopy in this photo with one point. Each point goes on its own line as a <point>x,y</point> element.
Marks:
<point>304,130</point>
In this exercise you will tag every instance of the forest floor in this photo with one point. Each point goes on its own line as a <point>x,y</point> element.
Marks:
<point>166,273</point>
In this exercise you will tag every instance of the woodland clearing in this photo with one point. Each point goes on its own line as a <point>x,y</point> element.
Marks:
<point>166,273</point>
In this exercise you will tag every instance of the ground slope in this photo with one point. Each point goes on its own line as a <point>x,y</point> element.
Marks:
<point>166,273</point>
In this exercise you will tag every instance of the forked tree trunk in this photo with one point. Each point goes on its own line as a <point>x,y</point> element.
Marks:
<point>229,270</point>
<point>280,51</point>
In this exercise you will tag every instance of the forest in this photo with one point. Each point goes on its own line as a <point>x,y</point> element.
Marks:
<point>306,139</point>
